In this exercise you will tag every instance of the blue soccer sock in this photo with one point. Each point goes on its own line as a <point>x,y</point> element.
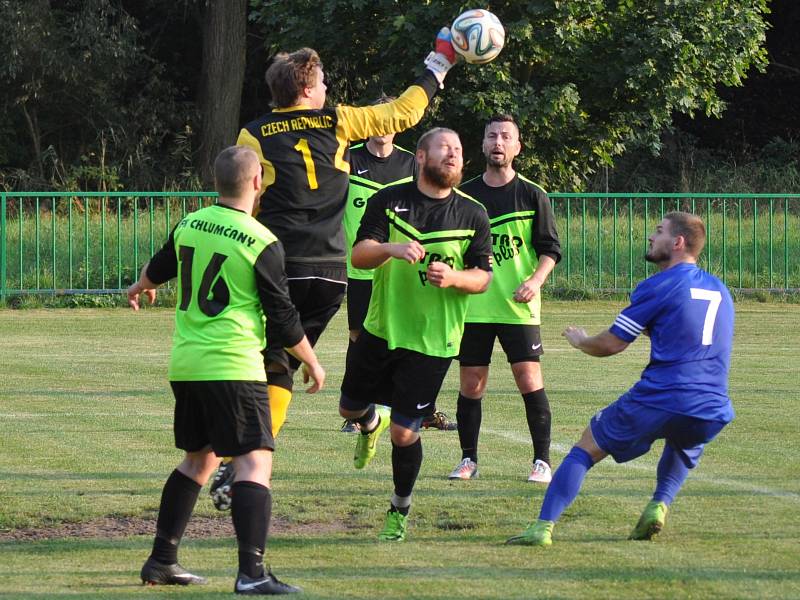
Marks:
<point>670,475</point>
<point>566,483</point>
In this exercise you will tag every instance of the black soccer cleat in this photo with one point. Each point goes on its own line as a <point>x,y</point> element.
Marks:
<point>268,585</point>
<point>350,427</point>
<point>439,420</point>
<point>157,573</point>
<point>220,490</point>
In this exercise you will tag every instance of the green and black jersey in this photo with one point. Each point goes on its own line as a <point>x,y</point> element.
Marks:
<point>230,275</point>
<point>406,310</point>
<point>304,153</point>
<point>368,174</point>
<point>523,229</point>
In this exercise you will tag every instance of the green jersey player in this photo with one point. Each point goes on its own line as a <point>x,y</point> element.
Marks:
<point>430,248</point>
<point>526,248</point>
<point>230,277</point>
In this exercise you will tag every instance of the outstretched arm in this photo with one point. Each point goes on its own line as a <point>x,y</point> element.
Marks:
<point>358,123</point>
<point>602,344</point>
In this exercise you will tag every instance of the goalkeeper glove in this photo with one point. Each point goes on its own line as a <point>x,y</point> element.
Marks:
<point>442,59</point>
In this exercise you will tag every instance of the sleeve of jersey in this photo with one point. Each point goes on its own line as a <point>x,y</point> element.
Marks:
<point>374,224</point>
<point>358,123</point>
<point>638,314</point>
<point>479,252</point>
<point>164,264</point>
<point>248,140</point>
<point>273,290</point>
<point>545,236</point>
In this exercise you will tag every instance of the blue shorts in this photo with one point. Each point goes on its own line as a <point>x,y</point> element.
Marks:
<point>626,429</point>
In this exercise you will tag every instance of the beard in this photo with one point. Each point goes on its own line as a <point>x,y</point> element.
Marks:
<point>654,255</point>
<point>498,162</point>
<point>440,177</point>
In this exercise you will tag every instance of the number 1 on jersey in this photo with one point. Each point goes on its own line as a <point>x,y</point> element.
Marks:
<point>713,297</point>
<point>311,173</point>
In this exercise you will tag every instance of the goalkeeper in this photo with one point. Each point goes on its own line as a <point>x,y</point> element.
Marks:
<point>303,148</point>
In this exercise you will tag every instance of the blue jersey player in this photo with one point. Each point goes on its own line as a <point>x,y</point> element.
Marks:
<point>682,396</point>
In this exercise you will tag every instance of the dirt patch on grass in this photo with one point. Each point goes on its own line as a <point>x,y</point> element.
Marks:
<point>199,527</point>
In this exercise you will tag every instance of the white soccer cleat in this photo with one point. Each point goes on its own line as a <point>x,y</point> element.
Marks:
<point>540,473</point>
<point>466,469</point>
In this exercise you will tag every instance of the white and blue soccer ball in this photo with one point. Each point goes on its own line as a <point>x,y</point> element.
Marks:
<point>478,36</point>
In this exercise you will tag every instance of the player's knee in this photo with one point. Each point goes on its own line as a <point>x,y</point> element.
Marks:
<point>528,376</point>
<point>402,436</point>
<point>473,385</point>
<point>199,466</point>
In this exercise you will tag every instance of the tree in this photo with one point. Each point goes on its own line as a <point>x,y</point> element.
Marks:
<point>585,78</point>
<point>83,104</point>
<point>222,76</point>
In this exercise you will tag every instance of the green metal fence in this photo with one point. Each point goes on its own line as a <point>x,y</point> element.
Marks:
<point>84,242</point>
<point>753,240</point>
<point>95,242</point>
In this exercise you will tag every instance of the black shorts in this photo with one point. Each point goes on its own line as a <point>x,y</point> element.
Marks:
<point>521,343</point>
<point>317,293</point>
<point>230,416</point>
<point>406,380</point>
<point>359,292</point>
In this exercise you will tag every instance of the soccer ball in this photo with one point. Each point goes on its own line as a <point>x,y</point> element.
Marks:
<point>478,36</point>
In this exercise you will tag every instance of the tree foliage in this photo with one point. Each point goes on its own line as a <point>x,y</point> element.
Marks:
<point>586,79</point>
<point>84,104</point>
<point>110,94</point>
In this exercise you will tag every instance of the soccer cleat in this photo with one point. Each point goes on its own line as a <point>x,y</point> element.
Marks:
<point>539,533</point>
<point>157,573</point>
<point>268,585</point>
<point>366,444</point>
<point>394,528</point>
<point>651,521</point>
<point>466,469</point>
<point>541,472</point>
<point>439,420</point>
<point>220,490</point>
<point>349,426</point>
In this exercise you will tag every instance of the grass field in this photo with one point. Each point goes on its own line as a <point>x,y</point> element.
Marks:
<point>86,442</point>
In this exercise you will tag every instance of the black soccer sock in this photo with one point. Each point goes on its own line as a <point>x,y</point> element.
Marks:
<point>537,411</point>
<point>469,414</point>
<point>365,419</point>
<point>251,509</point>
<point>406,461</point>
<point>403,510</point>
<point>177,503</point>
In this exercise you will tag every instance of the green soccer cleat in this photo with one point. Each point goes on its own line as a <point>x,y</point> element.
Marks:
<point>651,521</point>
<point>539,533</point>
<point>394,529</point>
<point>367,443</point>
